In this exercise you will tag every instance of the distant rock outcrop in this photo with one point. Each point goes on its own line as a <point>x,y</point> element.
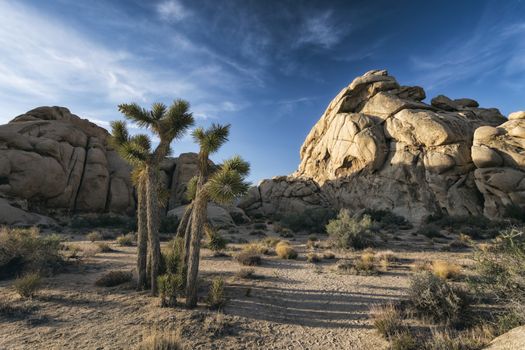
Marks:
<point>52,161</point>
<point>379,146</point>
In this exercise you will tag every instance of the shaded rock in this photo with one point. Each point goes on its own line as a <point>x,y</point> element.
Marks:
<point>14,216</point>
<point>444,103</point>
<point>466,102</point>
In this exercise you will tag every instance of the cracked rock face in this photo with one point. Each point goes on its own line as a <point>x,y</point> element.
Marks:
<point>53,161</point>
<point>379,146</point>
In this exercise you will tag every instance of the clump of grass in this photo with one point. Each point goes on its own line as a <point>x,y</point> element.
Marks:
<point>216,298</point>
<point>349,232</point>
<point>385,259</point>
<point>434,299</point>
<point>313,258</point>
<point>248,257</point>
<point>28,285</point>
<point>328,255</point>
<point>161,341</point>
<point>445,269</point>
<point>257,248</point>
<point>404,341</point>
<point>245,273</point>
<point>126,240</point>
<point>387,320</point>
<point>113,278</point>
<point>285,251</point>
<point>94,236</point>
<point>169,285</point>
<point>25,250</point>
<point>104,248</point>
<point>270,242</point>
<point>286,233</point>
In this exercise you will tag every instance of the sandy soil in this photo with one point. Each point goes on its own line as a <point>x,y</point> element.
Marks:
<point>292,304</point>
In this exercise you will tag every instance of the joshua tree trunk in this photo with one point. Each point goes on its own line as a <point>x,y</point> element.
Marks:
<point>142,239</point>
<point>153,228</point>
<point>181,230</point>
<point>198,219</point>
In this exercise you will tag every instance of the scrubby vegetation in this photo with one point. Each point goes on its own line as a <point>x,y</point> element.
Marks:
<point>26,250</point>
<point>387,219</point>
<point>285,251</point>
<point>169,286</point>
<point>126,240</point>
<point>114,278</point>
<point>94,236</point>
<point>161,341</point>
<point>351,232</point>
<point>216,296</point>
<point>216,242</point>
<point>249,257</point>
<point>28,285</point>
<point>311,220</point>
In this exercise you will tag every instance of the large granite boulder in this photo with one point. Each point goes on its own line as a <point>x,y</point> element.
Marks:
<point>379,146</point>
<point>218,216</point>
<point>499,155</point>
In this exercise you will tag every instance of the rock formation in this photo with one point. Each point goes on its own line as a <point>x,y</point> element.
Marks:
<point>52,161</point>
<point>379,146</point>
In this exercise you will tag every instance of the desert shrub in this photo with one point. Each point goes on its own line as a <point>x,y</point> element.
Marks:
<point>387,320</point>
<point>126,240</point>
<point>445,269</point>
<point>104,248</point>
<point>349,232</point>
<point>387,218</point>
<point>248,257</point>
<point>169,224</point>
<point>25,250</point>
<point>28,285</point>
<point>94,236</point>
<point>113,278</point>
<point>216,297</point>
<point>104,220</point>
<point>259,226</point>
<point>430,231</point>
<point>514,211</point>
<point>171,257</point>
<point>404,341</point>
<point>501,270</point>
<point>328,255</point>
<point>313,258</point>
<point>285,251</point>
<point>475,226</point>
<point>385,259</point>
<point>216,324</point>
<point>435,299</point>
<point>270,242</point>
<point>447,339</point>
<point>245,273</point>
<point>161,341</point>
<point>286,233</point>
<point>311,220</point>
<point>169,285</point>
<point>216,242</point>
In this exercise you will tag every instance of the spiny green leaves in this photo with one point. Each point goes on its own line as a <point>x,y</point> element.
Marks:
<point>177,120</point>
<point>137,114</point>
<point>237,164</point>
<point>119,133</point>
<point>157,110</point>
<point>211,139</point>
<point>225,185</point>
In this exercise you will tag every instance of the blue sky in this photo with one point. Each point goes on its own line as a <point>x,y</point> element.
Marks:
<point>267,67</point>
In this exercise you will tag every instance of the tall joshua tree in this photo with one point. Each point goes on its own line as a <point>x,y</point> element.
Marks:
<point>222,186</point>
<point>168,123</point>
<point>136,150</point>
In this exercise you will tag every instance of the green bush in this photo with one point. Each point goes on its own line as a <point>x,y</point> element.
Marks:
<point>430,231</point>
<point>94,236</point>
<point>126,240</point>
<point>216,242</point>
<point>169,224</point>
<point>113,278</point>
<point>435,299</point>
<point>169,286</point>
<point>28,285</point>
<point>216,298</point>
<point>25,250</point>
<point>501,270</point>
<point>386,218</point>
<point>349,232</point>
<point>311,220</point>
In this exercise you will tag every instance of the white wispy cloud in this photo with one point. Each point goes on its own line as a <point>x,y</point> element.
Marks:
<point>46,62</point>
<point>321,30</point>
<point>172,10</point>
<point>490,49</point>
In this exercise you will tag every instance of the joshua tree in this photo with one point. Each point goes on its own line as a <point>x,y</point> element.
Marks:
<point>168,123</point>
<point>222,186</point>
<point>136,150</point>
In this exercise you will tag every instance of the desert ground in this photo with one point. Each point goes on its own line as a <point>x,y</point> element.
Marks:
<point>287,304</point>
